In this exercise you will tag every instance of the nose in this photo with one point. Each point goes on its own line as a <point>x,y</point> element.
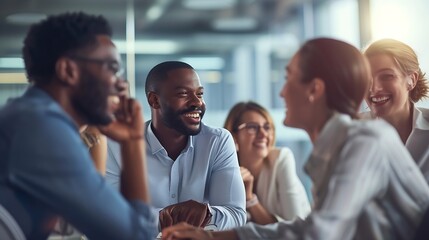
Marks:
<point>121,87</point>
<point>282,95</point>
<point>375,86</point>
<point>196,101</point>
<point>262,132</point>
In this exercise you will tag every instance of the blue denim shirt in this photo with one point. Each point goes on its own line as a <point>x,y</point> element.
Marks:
<point>46,171</point>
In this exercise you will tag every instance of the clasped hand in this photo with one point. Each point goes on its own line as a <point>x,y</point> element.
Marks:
<point>192,212</point>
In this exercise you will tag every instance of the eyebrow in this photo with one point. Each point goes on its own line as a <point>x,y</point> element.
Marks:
<point>385,69</point>
<point>187,88</point>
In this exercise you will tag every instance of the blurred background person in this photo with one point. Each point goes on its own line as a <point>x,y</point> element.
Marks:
<point>97,146</point>
<point>273,189</point>
<point>398,84</point>
<point>47,172</point>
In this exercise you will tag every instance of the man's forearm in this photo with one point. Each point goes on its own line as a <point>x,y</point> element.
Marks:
<point>227,217</point>
<point>133,176</point>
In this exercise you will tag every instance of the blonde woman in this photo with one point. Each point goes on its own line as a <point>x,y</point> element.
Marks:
<point>273,189</point>
<point>397,84</point>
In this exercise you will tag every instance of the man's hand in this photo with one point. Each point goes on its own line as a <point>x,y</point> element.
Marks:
<point>128,123</point>
<point>192,212</point>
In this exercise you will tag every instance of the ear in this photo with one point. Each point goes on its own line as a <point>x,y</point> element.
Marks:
<point>67,71</point>
<point>316,89</point>
<point>412,80</point>
<point>153,100</point>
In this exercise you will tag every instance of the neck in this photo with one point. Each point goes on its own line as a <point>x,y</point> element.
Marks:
<point>403,122</point>
<point>317,124</point>
<point>172,141</point>
<point>61,95</point>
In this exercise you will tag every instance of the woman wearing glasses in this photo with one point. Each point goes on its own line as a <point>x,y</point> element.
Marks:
<point>273,190</point>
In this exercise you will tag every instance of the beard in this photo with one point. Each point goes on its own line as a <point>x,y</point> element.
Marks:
<point>91,99</point>
<point>171,119</point>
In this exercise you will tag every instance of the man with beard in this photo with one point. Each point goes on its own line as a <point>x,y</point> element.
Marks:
<point>193,168</point>
<point>45,169</point>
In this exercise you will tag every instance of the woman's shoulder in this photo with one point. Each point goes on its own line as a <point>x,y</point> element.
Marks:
<point>281,156</point>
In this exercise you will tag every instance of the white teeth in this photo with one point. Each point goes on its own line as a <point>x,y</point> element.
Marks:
<point>192,115</point>
<point>379,99</point>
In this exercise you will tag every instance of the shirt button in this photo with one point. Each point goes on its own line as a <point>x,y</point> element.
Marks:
<point>173,195</point>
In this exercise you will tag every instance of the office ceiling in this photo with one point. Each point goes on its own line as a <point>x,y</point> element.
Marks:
<point>193,26</point>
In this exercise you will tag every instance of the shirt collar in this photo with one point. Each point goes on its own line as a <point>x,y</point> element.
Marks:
<point>155,145</point>
<point>50,103</point>
<point>327,145</point>
<point>420,118</point>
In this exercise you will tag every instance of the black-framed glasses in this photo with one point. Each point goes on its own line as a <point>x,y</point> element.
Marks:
<point>112,65</point>
<point>254,128</point>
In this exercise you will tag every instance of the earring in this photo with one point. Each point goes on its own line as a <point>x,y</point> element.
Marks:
<point>311,98</point>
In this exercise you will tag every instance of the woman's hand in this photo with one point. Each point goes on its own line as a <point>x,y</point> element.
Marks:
<point>248,182</point>
<point>185,231</point>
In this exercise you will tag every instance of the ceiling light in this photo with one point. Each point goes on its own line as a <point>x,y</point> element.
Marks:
<point>234,24</point>
<point>210,76</point>
<point>154,13</point>
<point>209,4</point>
<point>25,18</point>
<point>13,78</point>
<point>149,46</point>
<point>11,62</point>
<point>205,63</point>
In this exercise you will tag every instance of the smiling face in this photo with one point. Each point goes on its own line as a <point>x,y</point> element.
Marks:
<point>389,92</point>
<point>293,93</point>
<point>250,142</point>
<point>92,97</point>
<point>181,101</point>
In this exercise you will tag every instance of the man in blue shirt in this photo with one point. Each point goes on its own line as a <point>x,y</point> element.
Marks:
<point>45,169</point>
<point>187,160</point>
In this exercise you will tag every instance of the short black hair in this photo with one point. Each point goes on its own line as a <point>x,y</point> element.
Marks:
<point>159,73</point>
<point>56,36</point>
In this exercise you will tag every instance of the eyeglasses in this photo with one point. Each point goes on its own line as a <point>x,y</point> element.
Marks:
<point>254,128</point>
<point>112,65</point>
